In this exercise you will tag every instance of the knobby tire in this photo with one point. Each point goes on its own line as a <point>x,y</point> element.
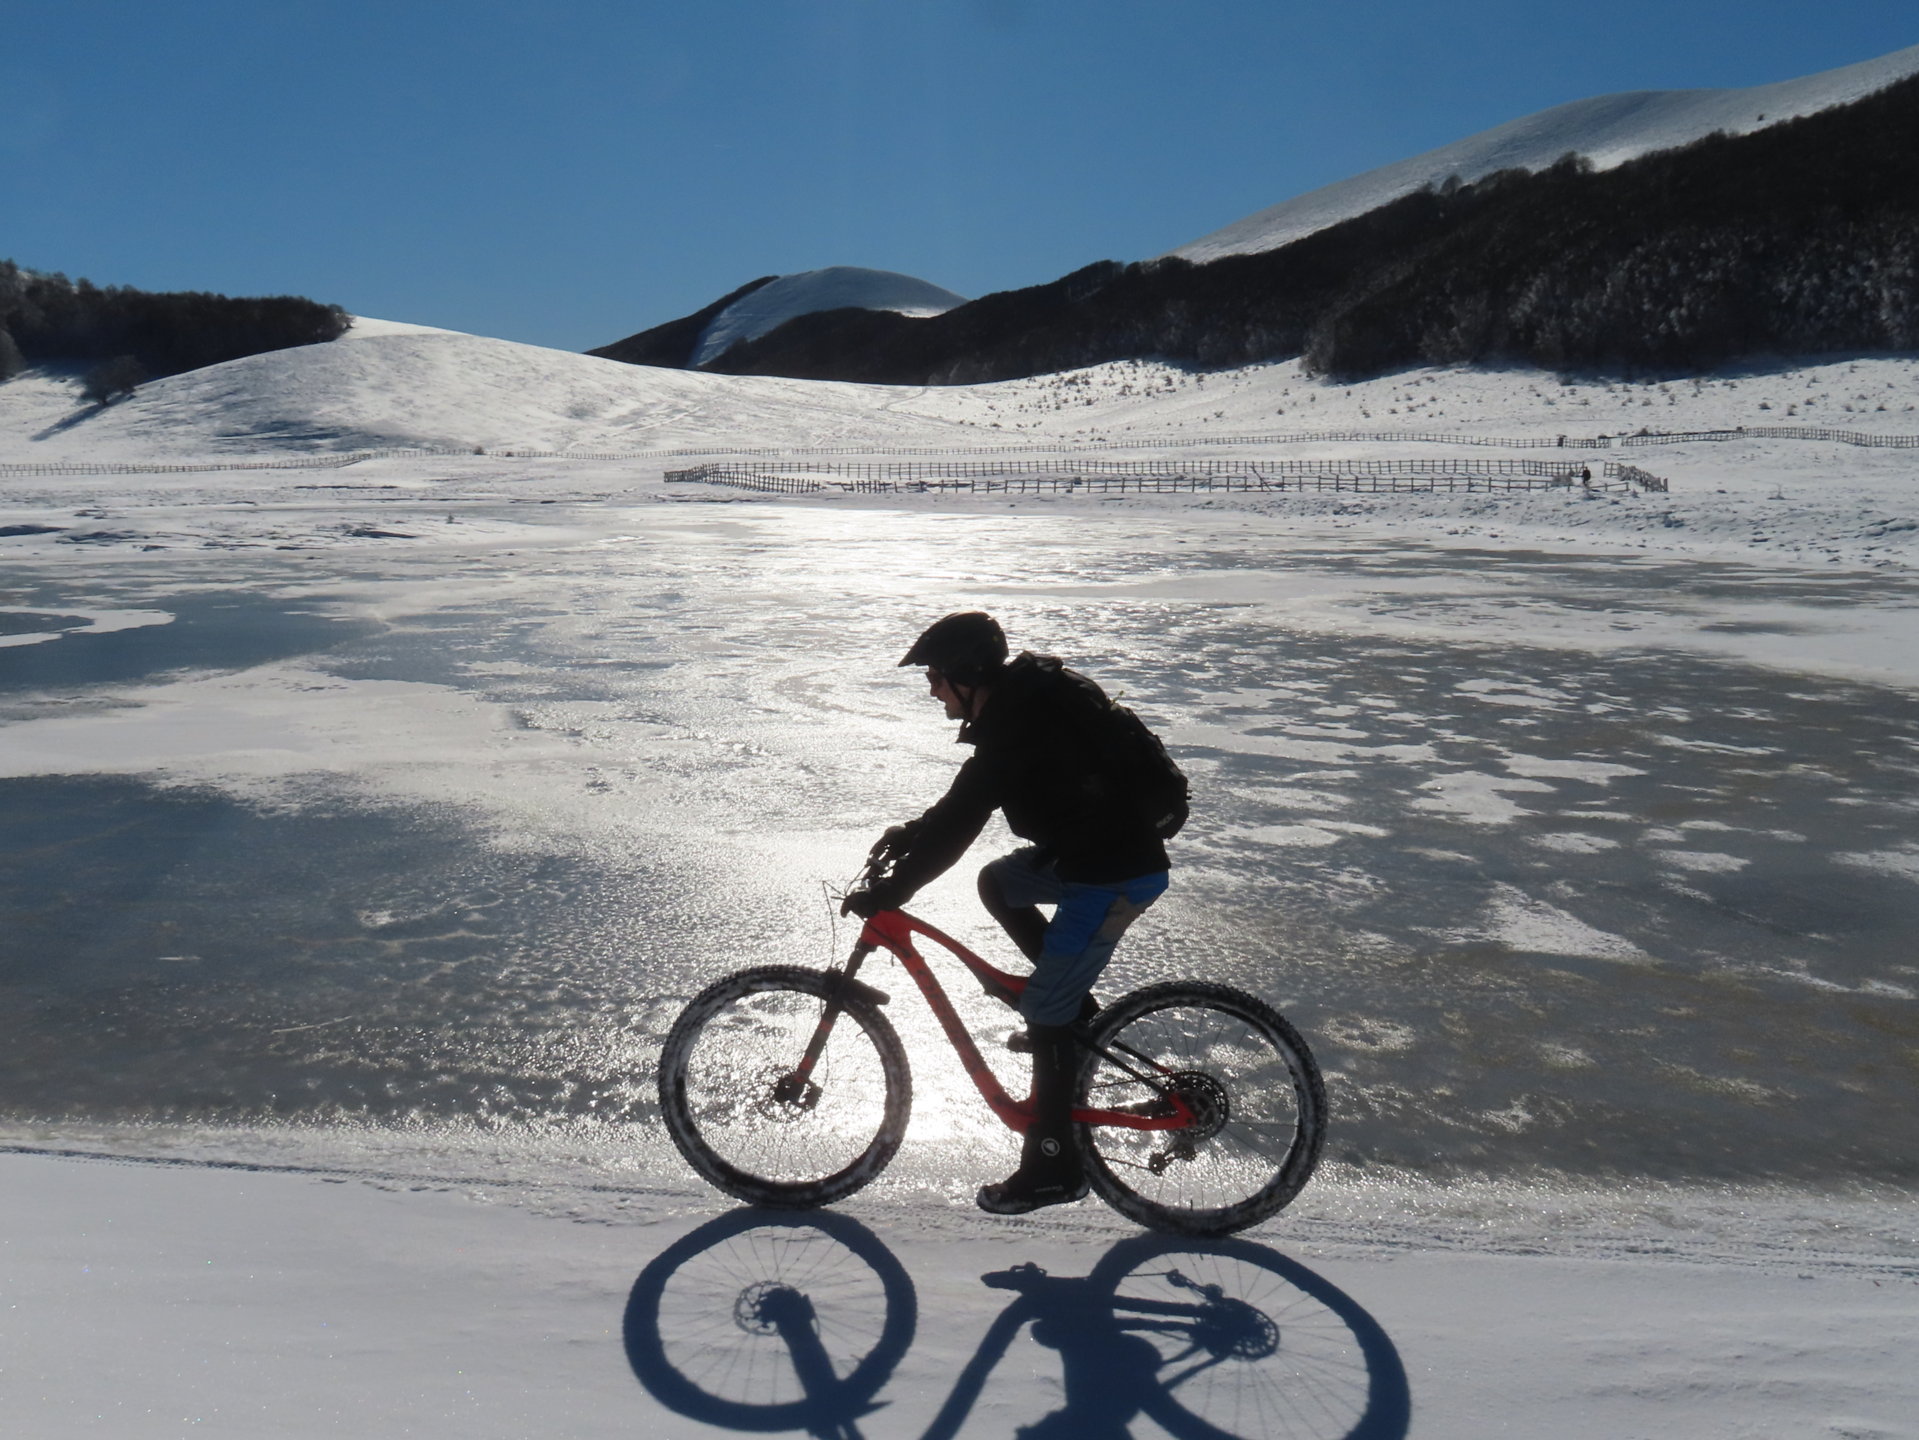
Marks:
<point>1244,1069</point>
<point>720,1096</point>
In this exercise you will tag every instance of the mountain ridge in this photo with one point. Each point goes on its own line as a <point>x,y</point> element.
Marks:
<point>1607,130</point>
<point>1792,239</point>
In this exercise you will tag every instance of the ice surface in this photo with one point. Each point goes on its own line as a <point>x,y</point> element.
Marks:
<point>554,777</point>
<point>374,822</point>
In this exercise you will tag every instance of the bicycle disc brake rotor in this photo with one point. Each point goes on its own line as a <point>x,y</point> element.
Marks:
<point>783,1096</point>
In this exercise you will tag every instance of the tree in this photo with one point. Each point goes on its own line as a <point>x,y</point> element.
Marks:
<point>12,362</point>
<point>121,375</point>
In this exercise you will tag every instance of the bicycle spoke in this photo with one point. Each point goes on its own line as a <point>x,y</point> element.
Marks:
<point>1247,1084</point>
<point>737,1075</point>
<point>743,1112</point>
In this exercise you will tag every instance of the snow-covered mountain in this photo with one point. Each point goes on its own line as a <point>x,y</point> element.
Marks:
<point>1607,129</point>
<point>836,287</point>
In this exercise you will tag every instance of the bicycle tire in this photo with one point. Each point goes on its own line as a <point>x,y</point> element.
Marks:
<point>1244,1069</point>
<point>728,1052</point>
<point>1284,1355</point>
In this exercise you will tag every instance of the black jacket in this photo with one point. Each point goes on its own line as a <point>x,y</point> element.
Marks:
<point>1032,759</point>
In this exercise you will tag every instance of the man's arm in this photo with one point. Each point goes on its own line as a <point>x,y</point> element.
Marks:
<point>940,836</point>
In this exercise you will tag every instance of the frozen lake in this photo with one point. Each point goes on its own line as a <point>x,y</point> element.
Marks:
<point>1559,869</point>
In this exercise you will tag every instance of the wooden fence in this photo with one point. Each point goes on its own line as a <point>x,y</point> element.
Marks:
<point>1777,432</point>
<point>730,454</point>
<point>1145,477</point>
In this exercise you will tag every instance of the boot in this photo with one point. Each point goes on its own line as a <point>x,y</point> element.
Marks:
<point>1049,1171</point>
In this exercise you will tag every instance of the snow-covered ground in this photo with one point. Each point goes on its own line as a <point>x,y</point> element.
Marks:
<point>392,386</point>
<point>1606,129</point>
<point>367,824</point>
<point>166,1301</point>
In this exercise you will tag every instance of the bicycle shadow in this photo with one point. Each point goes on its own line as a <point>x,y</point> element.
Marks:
<point>766,1320</point>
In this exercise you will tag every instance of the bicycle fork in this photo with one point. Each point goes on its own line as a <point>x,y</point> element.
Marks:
<point>797,1086</point>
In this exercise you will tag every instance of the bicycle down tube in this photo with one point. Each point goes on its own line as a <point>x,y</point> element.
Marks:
<point>893,930</point>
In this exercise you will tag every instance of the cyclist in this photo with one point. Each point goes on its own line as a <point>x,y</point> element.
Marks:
<point>1096,856</point>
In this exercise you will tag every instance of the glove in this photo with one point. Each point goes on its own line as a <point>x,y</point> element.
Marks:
<point>897,840</point>
<point>870,900</point>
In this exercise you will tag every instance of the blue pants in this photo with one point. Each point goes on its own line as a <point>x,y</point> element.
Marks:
<point>1085,927</point>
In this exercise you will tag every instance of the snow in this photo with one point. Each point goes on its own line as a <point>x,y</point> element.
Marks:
<point>836,287</point>
<point>1798,501</point>
<point>1606,129</point>
<point>415,387</point>
<point>365,327</point>
<point>150,1301</point>
<point>589,666</point>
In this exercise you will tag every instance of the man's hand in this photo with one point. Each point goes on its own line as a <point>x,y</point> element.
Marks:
<point>871,899</point>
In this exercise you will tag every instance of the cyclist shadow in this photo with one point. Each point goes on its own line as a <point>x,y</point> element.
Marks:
<point>767,1320</point>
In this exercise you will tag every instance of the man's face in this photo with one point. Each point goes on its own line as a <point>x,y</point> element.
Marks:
<point>945,694</point>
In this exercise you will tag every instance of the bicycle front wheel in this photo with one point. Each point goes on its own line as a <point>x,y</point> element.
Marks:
<point>1244,1073</point>
<point>742,1113</point>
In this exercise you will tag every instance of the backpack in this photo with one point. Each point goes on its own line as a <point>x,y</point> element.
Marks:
<point>1133,760</point>
<point>1158,786</point>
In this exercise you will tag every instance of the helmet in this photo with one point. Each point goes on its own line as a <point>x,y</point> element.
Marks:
<point>966,648</point>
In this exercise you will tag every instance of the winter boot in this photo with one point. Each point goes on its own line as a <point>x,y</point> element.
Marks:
<point>1049,1171</point>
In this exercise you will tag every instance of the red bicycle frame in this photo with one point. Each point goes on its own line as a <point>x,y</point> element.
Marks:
<point>893,930</point>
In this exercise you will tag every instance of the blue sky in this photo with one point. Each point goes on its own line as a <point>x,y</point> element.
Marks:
<point>569,173</point>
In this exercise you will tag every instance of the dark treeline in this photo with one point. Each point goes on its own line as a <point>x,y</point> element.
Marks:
<point>49,317</point>
<point>1799,238</point>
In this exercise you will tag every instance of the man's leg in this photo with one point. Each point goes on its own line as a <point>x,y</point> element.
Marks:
<point>1014,875</point>
<point>1079,943</point>
<point>1012,888</point>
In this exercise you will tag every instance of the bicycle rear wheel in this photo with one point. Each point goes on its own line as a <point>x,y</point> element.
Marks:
<point>1245,1074</point>
<point>741,1116</point>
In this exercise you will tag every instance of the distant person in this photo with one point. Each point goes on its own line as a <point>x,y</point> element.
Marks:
<point>1097,795</point>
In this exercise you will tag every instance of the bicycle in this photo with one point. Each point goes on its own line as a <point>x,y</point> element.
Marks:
<point>1199,1109</point>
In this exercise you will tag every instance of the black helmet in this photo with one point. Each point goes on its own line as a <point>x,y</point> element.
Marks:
<point>966,648</point>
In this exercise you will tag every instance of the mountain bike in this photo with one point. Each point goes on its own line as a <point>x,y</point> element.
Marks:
<point>1199,1110</point>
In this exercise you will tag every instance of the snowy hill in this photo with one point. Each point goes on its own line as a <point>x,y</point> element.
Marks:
<point>836,287</point>
<point>1607,129</point>
<point>1785,501</point>
<point>390,384</point>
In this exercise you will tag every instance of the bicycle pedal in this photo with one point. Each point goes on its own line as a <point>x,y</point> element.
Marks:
<point>1020,1043</point>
